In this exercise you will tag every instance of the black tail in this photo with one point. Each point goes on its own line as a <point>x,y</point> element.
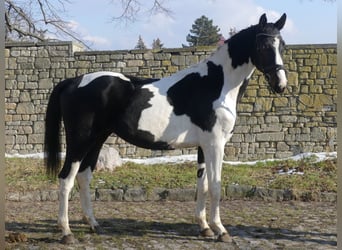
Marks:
<point>53,119</point>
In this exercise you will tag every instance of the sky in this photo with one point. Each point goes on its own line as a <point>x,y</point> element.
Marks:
<point>308,21</point>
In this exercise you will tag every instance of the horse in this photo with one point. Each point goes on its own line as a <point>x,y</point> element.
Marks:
<point>195,107</point>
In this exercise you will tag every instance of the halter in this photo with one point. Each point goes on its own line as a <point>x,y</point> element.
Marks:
<point>265,34</point>
<point>267,70</point>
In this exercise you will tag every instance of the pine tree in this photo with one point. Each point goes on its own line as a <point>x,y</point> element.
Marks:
<point>156,44</point>
<point>140,44</point>
<point>203,32</point>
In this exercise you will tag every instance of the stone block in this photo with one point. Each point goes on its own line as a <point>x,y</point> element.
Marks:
<point>187,194</point>
<point>30,196</point>
<point>237,191</point>
<point>281,102</point>
<point>109,195</point>
<point>268,137</point>
<point>191,60</point>
<point>36,138</point>
<point>25,108</point>
<point>135,63</point>
<point>45,83</point>
<point>272,119</point>
<point>49,195</point>
<point>162,56</point>
<point>271,127</point>
<point>135,194</point>
<point>288,118</point>
<point>178,60</point>
<point>262,104</point>
<point>39,127</point>
<point>157,194</point>
<point>102,58</point>
<point>42,63</point>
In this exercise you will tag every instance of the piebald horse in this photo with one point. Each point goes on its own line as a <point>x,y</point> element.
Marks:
<point>195,107</point>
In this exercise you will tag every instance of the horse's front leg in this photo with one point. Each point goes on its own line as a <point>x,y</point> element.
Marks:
<point>213,159</point>
<point>66,184</point>
<point>83,179</point>
<point>202,190</point>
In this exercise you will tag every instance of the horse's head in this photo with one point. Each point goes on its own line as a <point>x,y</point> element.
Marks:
<point>269,46</point>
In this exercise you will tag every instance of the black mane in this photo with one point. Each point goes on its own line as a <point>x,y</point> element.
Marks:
<point>241,46</point>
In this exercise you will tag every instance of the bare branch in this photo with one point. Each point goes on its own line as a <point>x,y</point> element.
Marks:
<point>131,9</point>
<point>159,7</point>
<point>37,20</point>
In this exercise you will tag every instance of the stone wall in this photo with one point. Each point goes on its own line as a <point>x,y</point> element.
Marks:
<point>268,126</point>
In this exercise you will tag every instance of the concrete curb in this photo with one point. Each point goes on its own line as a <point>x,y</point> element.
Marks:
<point>160,194</point>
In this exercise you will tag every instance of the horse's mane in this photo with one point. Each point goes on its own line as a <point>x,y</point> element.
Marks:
<point>241,45</point>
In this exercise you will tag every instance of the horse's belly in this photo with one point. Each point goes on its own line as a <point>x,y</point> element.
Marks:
<point>177,131</point>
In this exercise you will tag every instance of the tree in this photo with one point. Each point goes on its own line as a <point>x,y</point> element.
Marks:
<point>140,44</point>
<point>37,20</point>
<point>156,44</point>
<point>203,32</point>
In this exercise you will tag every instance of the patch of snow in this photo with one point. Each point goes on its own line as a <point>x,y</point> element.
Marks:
<point>193,157</point>
<point>163,159</point>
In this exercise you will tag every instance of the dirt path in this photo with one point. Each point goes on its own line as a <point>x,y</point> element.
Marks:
<point>171,225</point>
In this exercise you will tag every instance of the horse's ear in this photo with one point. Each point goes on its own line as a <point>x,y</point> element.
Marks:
<point>281,22</point>
<point>263,20</point>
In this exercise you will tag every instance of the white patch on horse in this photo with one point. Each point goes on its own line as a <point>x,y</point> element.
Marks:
<point>232,83</point>
<point>88,78</point>
<point>65,188</point>
<point>280,73</point>
<point>176,130</point>
<point>83,180</point>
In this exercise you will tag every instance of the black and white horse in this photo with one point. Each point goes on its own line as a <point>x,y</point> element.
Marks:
<point>193,107</point>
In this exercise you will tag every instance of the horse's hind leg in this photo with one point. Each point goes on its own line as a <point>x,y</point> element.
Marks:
<point>83,178</point>
<point>66,182</point>
<point>202,190</point>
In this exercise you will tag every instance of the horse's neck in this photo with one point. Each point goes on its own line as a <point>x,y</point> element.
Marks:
<point>233,78</point>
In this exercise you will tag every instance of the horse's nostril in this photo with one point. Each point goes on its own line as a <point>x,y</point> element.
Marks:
<point>281,89</point>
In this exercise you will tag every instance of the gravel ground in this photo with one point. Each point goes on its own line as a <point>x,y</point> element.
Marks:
<point>171,225</point>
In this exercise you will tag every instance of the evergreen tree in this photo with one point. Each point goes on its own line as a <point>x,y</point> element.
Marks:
<point>203,32</point>
<point>140,44</point>
<point>156,44</point>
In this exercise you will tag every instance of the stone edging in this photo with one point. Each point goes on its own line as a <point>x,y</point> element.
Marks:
<point>189,194</point>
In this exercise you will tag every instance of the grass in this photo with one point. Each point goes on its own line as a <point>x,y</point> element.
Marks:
<point>29,174</point>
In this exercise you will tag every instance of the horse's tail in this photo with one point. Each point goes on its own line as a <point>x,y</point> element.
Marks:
<point>53,119</point>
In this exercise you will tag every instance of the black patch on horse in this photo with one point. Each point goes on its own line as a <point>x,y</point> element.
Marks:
<point>200,156</point>
<point>200,172</point>
<point>241,46</point>
<point>126,125</point>
<point>138,81</point>
<point>194,96</point>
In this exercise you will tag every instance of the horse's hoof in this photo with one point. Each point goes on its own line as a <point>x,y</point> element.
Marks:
<point>97,230</point>
<point>225,237</point>
<point>207,233</point>
<point>68,239</point>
